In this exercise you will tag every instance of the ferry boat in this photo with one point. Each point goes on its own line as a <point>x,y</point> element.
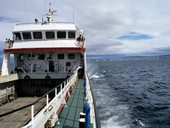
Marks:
<point>48,86</point>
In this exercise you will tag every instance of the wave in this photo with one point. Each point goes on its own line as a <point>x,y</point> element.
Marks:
<point>95,76</point>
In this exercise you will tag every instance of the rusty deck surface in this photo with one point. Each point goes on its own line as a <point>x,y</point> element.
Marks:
<point>19,118</point>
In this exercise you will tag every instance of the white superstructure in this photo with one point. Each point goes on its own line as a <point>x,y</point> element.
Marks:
<point>45,49</point>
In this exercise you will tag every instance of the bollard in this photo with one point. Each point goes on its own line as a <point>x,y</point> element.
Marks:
<point>82,123</point>
<point>82,115</point>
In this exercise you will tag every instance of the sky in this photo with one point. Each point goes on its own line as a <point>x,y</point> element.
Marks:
<point>130,27</point>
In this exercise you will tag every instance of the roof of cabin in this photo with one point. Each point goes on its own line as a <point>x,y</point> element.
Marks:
<point>44,27</point>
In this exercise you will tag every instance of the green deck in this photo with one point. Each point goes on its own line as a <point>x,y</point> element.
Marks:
<point>69,116</point>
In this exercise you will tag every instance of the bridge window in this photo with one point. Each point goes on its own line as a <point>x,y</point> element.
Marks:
<point>60,56</point>
<point>50,35</point>
<point>37,35</point>
<point>71,34</point>
<point>26,35</point>
<point>71,56</point>
<point>17,36</point>
<point>41,56</point>
<point>61,35</point>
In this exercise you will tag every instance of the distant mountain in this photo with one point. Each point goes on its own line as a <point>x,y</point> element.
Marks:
<point>123,56</point>
<point>111,56</point>
<point>164,57</point>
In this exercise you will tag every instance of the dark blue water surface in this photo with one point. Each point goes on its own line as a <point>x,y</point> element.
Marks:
<point>132,93</point>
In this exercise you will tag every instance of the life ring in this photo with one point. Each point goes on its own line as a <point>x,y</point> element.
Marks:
<point>47,77</point>
<point>26,77</point>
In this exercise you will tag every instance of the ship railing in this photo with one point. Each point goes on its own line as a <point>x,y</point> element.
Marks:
<point>52,106</point>
<point>94,111</point>
<point>44,24</point>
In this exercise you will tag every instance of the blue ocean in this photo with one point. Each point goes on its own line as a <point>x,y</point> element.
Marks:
<point>131,93</point>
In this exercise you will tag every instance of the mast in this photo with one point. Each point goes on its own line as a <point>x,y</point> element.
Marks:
<point>50,14</point>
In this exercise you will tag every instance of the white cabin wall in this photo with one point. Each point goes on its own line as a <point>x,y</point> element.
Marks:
<point>36,66</point>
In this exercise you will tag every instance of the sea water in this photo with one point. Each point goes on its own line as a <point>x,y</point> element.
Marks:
<point>132,93</point>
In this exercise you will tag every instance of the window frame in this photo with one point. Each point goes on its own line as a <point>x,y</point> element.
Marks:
<point>28,36</point>
<point>15,36</point>
<point>71,35</point>
<point>61,36</point>
<point>40,55</point>
<point>33,33</point>
<point>70,56</point>
<point>60,58</point>
<point>49,32</point>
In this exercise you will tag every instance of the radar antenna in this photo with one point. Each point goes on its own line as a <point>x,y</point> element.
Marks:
<point>50,14</point>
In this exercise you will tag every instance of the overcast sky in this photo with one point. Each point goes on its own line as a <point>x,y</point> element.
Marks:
<point>135,27</point>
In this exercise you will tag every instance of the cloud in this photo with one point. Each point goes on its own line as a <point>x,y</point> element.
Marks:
<point>135,36</point>
<point>2,18</point>
<point>108,46</point>
<point>159,51</point>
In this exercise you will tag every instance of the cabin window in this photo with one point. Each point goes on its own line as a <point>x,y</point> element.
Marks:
<point>50,35</point>
<point>17,36</point>
<point>71,56</point>
<point>26,35</point>
<point>37,35</point>
<point>33,56</point>
<point>71,34</point>
<point>41,56</point>
<point>68,64</point>
<point>60,56</point>
<point>61,34</point>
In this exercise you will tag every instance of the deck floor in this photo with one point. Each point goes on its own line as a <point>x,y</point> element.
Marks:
<point>20,118</point>
<point>69,116</point>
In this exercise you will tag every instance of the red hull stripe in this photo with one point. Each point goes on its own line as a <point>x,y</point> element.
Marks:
<point>44,50</point>
<point>60,109</point>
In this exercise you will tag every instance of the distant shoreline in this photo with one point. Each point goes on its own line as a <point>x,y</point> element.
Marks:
<point>126,57</point>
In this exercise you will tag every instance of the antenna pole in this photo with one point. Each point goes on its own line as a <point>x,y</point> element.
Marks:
<point>45,6</point>
<point>73,16</point>
<point>50,5</point>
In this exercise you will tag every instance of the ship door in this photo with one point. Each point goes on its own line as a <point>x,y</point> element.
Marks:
<point>56,66</point>
<point>51,66</point>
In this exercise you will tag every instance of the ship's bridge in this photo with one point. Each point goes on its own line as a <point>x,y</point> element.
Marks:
<point>45,35</point>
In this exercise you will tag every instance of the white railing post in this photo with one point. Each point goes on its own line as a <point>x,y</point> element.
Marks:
<point>47,100</point>
<point>56,91</point>
<point>32,115</point>
<point>60,87</point>
<point>64,83</point>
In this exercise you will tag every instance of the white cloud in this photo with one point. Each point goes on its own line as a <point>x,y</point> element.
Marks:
<point>103,21</point>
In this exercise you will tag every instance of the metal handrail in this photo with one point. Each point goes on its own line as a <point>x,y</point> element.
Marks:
<point>36,101</point>
<point>42,22</point>
<point>97,119</point>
